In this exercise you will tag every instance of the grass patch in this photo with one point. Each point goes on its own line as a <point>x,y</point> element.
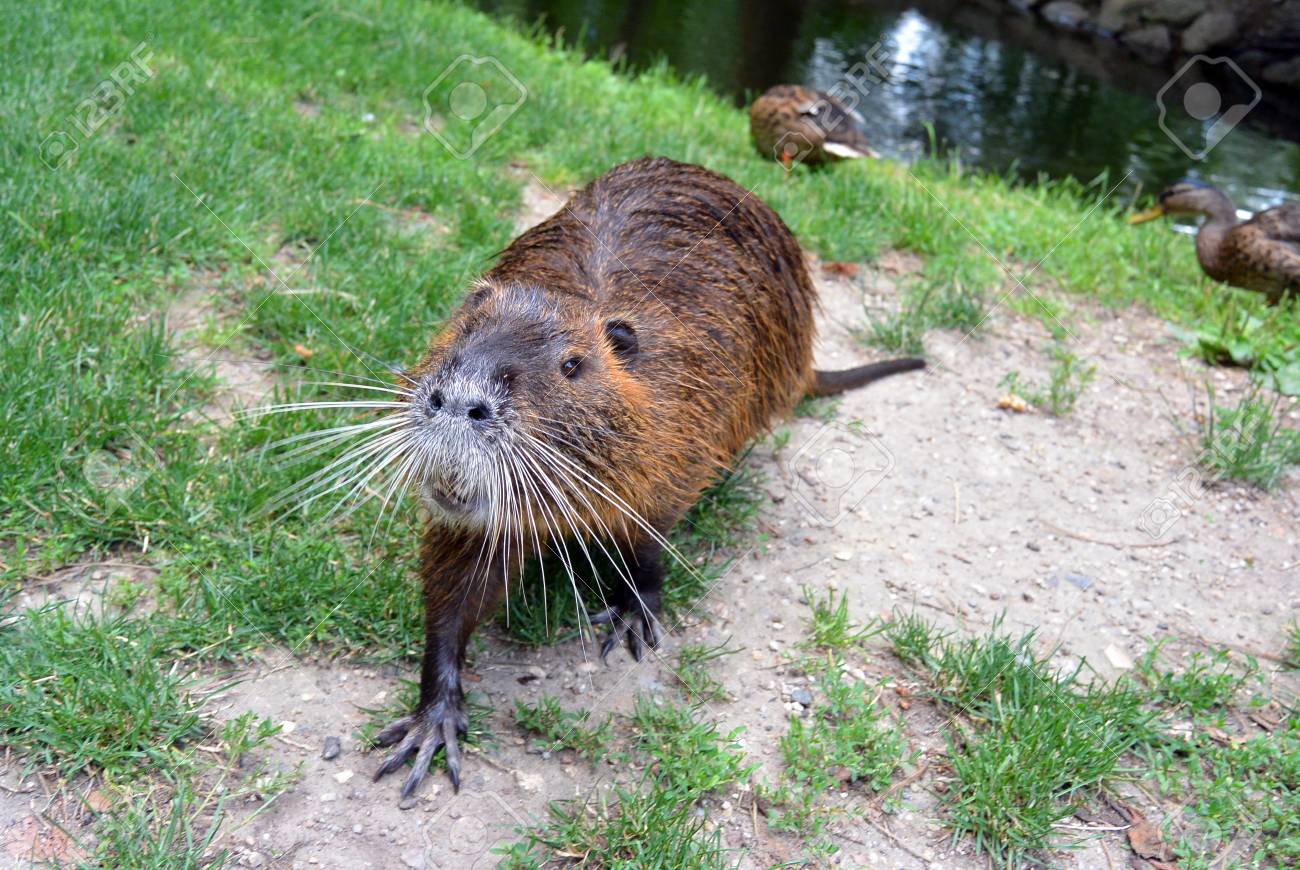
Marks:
<point>1248,442</point>
<point>690,757</point>
<point>847,740</point>
<point>844,740</point>
<point>633,828</point>
<point>1208,681</point>
<point>655,822</point>
<point>1027,744</point>
<point>938,304</point>
<point>564,729</point>
<point>1267,341</point>
<point>698,683</point>
<point>832,628</point>
<point>1066,380</point>
<point>80,694</point>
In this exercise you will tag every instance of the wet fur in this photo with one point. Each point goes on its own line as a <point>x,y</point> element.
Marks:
<point>712,285</point>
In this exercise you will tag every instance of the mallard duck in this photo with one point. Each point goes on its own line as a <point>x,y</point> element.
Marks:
<point>795,124</point>
<point>1261,254</point>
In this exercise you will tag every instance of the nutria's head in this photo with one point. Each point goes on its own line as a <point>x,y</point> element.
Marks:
<point>523,399</point>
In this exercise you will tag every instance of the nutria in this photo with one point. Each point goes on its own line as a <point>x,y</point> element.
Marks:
<point>592,385</point>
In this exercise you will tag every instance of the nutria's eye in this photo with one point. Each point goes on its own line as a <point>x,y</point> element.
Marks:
<point>571,366</point>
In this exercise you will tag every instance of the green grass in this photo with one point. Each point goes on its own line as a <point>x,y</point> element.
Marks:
<point>847,741</point>
<point>564,729</point>
<point>653,822</point>
<point>633,827</point>
<point>107,454</point>
<point>832,628</point>
<point>1206,682</point>
<point>1027,744</point>
<point>1249,441</point>
<point>939,303</point>
<point>699,685</point>
<point>1292,655</point>
<point>1067,379</point>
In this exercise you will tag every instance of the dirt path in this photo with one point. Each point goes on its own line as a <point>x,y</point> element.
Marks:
<point>981,512</point>
<point>950,506</point>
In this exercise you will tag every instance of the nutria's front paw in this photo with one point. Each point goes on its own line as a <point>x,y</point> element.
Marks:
<point>423,733</point>
<point>634,622</point>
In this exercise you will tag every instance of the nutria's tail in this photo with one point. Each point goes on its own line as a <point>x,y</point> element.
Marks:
<point>830,383</point>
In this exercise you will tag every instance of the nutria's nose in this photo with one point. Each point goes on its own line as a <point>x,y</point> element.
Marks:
<point>476,409</point>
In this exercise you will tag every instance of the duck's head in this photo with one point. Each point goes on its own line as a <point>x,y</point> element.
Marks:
<point>1188,196</point>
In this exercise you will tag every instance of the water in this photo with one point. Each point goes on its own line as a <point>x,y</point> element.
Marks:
<point>1005,92</point>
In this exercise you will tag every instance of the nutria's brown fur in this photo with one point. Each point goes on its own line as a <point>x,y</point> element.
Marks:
<point>610,366</point>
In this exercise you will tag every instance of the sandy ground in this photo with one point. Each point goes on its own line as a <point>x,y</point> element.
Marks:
<point>945,504</point>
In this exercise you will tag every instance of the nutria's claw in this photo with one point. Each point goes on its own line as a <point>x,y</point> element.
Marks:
<point>422,734</point>
<point>640,630</point>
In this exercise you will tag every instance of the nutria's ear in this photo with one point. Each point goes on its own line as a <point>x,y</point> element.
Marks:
<point>622,338</point>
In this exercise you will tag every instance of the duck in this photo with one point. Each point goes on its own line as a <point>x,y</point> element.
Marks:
<point>796,124</point>
<point>1260,254</point>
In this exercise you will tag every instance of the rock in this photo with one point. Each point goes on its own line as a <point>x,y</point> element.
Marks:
<point>1118,15</point>
<point>529,781</point>
<point>1083,581</point>
<point>333,746</point>
<point>1065,14</point>
<point>414,860</point>
<point>1118,659</point>
<point>343,776</point>
<point>1211,29</point>
<point>802,696</point>
<point>408,802</point>
<point>1174,12</point>
<point>1152,43</point>
<point>1284,72</point>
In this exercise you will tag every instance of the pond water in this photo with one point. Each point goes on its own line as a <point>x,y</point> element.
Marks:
<point>1004,91</point>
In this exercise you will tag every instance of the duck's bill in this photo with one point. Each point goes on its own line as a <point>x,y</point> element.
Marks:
<point>1148,215</point>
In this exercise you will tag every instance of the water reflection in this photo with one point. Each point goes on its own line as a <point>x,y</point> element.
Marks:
<point>1005,93</point>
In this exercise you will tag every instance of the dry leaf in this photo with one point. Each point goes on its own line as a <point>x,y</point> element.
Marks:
<point>304,351</point>
<point>848,270</point>
<point>1143,837</point>
<point>98,802</point>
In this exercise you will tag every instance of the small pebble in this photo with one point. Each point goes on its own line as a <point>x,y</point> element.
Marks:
<point>333,746</point>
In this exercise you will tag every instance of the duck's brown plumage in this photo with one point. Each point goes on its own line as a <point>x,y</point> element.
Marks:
<point>1260,254</point>
<point>795,124</point>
